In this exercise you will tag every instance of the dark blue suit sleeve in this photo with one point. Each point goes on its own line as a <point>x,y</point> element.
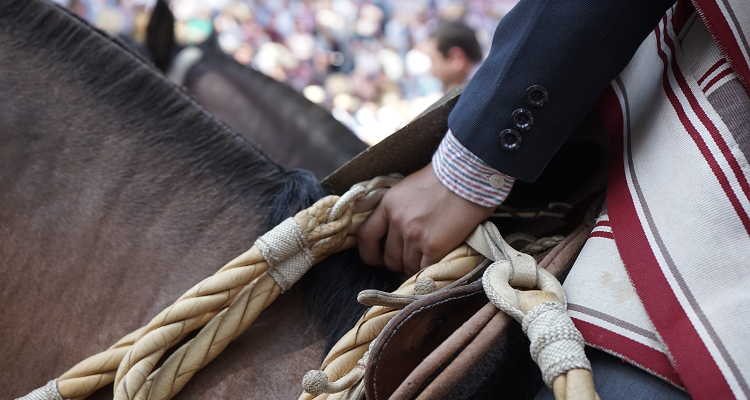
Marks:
<point>573,49</point>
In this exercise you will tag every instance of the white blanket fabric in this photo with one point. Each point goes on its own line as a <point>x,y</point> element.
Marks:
<point>664,280</point>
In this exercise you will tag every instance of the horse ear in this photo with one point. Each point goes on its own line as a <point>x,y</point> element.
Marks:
<point>212,43</point>
<point>160,35</point>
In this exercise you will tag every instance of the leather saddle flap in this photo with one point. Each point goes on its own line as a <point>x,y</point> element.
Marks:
<point>415,333</point>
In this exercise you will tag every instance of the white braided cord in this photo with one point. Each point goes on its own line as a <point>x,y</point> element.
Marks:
<point>556,345</point>
<point>46,392</point>
<point>496,299</point>
<point>356,192</point>
<point>285,249</point>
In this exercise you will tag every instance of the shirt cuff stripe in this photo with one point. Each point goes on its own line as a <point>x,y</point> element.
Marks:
<point>476,178</point>
<point>452,170</point>
<point>467,175</point>
<point>459,190</point>
<point>470,158</point>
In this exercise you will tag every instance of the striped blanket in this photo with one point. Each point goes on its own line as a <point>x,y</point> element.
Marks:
<point>664,279</point>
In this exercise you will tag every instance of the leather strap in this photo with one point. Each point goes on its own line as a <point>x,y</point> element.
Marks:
<point>557,261</point>
<point>415,332</point>
<point>447,349</point>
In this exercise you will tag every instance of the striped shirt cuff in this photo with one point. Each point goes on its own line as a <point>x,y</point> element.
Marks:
<point>468,176</point>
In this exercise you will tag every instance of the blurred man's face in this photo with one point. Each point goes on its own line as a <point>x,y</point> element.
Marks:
<point>440,68</point>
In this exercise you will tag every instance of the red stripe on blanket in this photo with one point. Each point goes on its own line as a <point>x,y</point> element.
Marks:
<point>712,129</point>
<point>635,353</point>
<point>711,70</point>
<point>739,175</point>
<point>694,363</point>
<point>600,234</point>
<point>683,10</point>
<point>728,43</point>
<point>602,223</point>
<point>716,79</point>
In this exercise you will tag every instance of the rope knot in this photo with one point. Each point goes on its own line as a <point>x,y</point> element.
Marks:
<point>424,285</point>
<point>315,382</point>
<point>364,196</point>
<point>355,193</point>
<point>556,345</point>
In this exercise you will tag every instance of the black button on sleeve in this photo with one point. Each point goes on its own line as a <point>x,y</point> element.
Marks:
<point>522,119</point>
<point>536,96</point>
<point>510,140</point>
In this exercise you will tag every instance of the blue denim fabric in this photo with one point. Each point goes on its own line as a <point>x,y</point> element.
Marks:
<point>617,380</point>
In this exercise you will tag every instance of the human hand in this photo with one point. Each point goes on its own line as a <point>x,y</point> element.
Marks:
<point>422,221</point>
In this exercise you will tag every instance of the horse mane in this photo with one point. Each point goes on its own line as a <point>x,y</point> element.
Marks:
<point>113,75</point>
<point>331,289</point>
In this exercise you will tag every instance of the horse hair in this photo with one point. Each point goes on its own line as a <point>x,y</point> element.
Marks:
<point>117,77</point>
<point>331,289</point>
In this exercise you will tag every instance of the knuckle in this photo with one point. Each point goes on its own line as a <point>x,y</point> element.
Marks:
<point>366,257</point>
<point>412,232</point>
<point>397,217</point>
<point>364,235</point>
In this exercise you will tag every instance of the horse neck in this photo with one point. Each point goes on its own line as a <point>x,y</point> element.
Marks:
<point>80,106</point>
<point>284,124</point>
<point>117,192</point>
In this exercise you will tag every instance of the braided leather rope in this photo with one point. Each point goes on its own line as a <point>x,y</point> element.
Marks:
<point>223,305</point>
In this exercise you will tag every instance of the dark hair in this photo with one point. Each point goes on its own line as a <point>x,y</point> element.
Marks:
<point>457,34</point>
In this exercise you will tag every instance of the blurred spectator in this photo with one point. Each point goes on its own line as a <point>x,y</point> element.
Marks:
<point>454,52</point>
<point>364,60</point>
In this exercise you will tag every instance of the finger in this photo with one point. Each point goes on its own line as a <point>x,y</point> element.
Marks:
<point>369,236</point>
<point>393,254</point>
<point>428,260</point>
<point>412,258</point>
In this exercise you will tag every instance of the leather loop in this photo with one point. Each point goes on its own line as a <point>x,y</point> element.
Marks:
<point>511,268</point>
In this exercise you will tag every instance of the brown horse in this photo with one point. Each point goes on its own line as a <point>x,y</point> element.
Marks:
<point>117,193</point>
<point>275,118</point>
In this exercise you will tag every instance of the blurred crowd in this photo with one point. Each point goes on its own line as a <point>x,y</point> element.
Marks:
<point>364,60</point>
